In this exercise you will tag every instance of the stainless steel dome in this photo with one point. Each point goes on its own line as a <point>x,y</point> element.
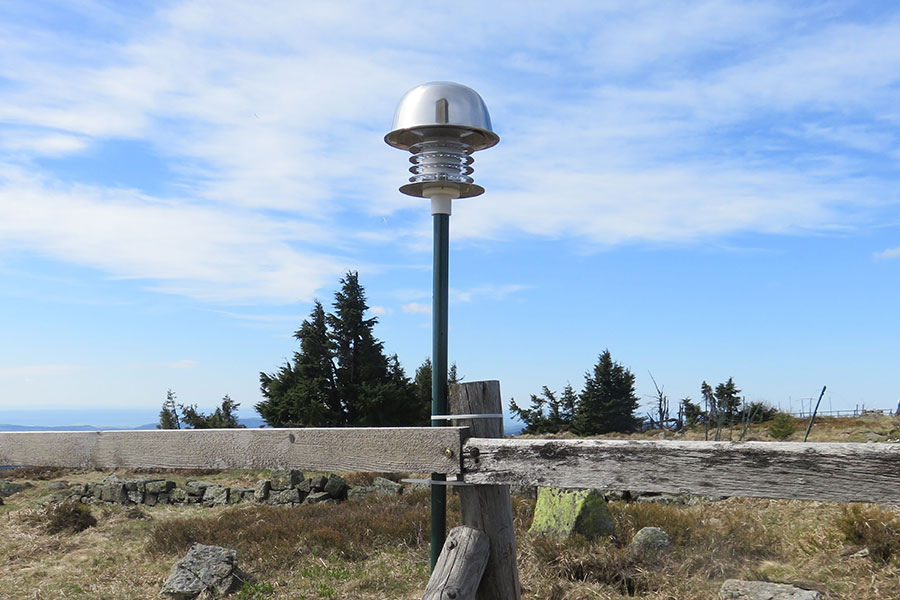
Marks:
<point>442,107</point>
<point>442,123</point>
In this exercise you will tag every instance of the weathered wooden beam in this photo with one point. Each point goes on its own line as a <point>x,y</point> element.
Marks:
<point>488,508</point>
<point>458,571</point>
<point>839,472</point>
<point>397,450</point>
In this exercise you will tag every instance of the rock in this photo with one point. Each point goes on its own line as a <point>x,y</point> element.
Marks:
<point>113,490</point>
<point>159,486</point>
<point>8,488</point>
<point>316,497</point>
<point>178,495</point>
<point>136,485</point>
<point>161,498</point>
<point>336,487</point>
<point>58,485</point>
<point>261,493</point>
<point>204,568</point>
<point>564,513</point>
<point>291,496</point>
<point>135,496</point>
<point>735,589</point>
<point>215,495</point>
<point>95,489</point>
<point>237,494</point>
<point>151,499</point>
<point>305,486</point>
<point>286,479</point>
<point>1,500</point>
<point>651,539</point>
<point>196,488</point>
<point>318,483</point>
<point>358,492</point>
<point>386,487</point>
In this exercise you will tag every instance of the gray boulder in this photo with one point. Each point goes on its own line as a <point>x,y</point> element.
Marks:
<point>178,495</point>
<point>286,479</point>
<point>159,486</point>
<point>336,487</point>
<point>565,513</point>
<point>317,484</point>
<point>387,487</point>
<point>196,488</point>
<point>358,492</point>
<point>736,589</point>
<point>8,488</point>
<point>261,493</point>
<point>215,495</point>
<point>291,496</point>
<point>651,539</point>
<point>317,497</point>
<point>204,568</point>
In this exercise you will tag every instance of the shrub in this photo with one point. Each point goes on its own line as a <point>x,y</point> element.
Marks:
<point>873,527</point>
<point>70,517</point>
<point>782,426</point>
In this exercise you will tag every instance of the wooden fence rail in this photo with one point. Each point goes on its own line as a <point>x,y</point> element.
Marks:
<point>387,450</point>
<point>841,472</point>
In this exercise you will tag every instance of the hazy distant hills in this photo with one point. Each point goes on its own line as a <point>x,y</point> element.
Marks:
<point>512,428</point>
<point>251,423</point>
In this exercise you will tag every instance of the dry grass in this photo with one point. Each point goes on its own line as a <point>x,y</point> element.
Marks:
<point>378,548</point>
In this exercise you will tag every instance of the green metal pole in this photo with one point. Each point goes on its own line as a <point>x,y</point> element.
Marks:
<point>439,373</point>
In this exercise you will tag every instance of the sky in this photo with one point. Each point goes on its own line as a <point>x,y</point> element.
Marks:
<point>706,189</point>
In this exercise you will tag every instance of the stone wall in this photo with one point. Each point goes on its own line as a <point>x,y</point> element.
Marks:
<point>287,487</point>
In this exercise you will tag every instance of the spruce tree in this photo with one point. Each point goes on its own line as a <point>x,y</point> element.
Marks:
<point>728,400</point>
<point>304,393</point>
<point>168,416</point>
<point>341,375</point>
<point>607,402</point>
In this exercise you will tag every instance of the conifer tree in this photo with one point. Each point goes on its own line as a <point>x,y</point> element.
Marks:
<point>607,402</point>
<point>168,416</point>
<point>341,375</point>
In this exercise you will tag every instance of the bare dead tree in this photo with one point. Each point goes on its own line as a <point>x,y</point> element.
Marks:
<point>662,403</point>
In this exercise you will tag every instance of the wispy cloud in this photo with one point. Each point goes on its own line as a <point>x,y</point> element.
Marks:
<point>650,122</point>
<point>416,308</point>
<point>181,364</point>
<point>888,254</point>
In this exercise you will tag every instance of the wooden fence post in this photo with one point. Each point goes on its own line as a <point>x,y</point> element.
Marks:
<point>483,507</point>
<point>459,569</point>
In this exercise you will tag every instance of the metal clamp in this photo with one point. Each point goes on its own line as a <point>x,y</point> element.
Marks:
<point>472,416</point>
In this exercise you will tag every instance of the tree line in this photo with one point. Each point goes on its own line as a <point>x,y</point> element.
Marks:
<point>341,376</point>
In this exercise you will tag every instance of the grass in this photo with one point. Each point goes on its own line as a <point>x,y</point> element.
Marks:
<point>378,548</point>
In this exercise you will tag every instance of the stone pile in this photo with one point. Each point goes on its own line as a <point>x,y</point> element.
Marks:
<point>284,487</point>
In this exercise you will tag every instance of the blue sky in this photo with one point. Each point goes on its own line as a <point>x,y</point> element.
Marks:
<point>708,189</point>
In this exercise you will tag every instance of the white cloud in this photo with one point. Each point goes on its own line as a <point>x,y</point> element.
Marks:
<point>643,122</point>
<point>888,254</point>
<point>181,364</point>
<point>380,310</point>
<point>202,252</point>
<point>416,308</point>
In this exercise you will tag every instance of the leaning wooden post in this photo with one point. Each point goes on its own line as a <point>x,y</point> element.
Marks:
<point>461,564</point>
<point>488,507</point>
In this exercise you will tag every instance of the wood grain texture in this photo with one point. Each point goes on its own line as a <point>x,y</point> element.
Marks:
<point>488,508</point>
<point>397,450</point>
<point>813,471</point>
<point>460,567</point>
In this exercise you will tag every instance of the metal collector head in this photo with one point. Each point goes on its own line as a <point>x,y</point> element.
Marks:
<point>442,124</point>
